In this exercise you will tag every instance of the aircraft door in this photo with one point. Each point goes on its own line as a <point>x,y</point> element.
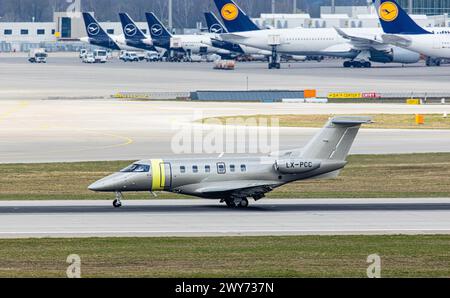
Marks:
<point>437,42</point>
<point>166,176</point>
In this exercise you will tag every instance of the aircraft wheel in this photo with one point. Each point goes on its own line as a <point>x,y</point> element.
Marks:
<point>117,204</point>
<point>243,203</point>
<point>230,203</point>
<point>367,64</point>
<point>347,64</point>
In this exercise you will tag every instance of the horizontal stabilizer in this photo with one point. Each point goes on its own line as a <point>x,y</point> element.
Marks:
<point>352,120</point>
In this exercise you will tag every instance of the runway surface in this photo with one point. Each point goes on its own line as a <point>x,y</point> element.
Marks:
<point>66,76</point>
<point>209,218</point>
<point>84,130</point>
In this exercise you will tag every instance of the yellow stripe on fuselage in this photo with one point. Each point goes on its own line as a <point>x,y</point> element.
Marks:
<point>158,175</point>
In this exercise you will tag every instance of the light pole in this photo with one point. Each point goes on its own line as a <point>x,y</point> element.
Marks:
<point>170,14</point>
<point>294,6</point>
<point>333,7</point>
<point>410,6</point>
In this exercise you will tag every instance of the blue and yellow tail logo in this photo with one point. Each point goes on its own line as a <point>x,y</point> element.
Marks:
<point>389,11</point>
<point>229,12</point>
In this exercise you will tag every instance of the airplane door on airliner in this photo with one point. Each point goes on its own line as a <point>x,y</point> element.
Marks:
<point>437,42</point>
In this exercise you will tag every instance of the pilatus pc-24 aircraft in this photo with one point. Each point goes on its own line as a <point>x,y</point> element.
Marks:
<point>235,179</point>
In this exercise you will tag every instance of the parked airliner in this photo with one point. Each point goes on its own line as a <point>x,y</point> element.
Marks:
<point>360,46</point>
<point>402,31</point>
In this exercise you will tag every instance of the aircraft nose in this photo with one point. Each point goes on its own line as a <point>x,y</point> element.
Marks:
<point>96,186</point>
<point>111,183</point>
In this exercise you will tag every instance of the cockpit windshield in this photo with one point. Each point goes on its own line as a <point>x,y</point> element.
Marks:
<point>136,168</point>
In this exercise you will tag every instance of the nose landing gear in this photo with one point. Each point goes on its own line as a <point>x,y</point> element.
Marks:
<point>117,203</point>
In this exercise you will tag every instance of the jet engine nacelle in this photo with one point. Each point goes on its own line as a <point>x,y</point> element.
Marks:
<point>404,56</point>
<point>296,166</point>
<point>396,55</point>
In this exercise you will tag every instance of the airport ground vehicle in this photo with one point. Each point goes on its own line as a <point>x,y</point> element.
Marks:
<point>83,52</point>
<point>152,57</point>
<point>37,56</point>
<point>127,56</point>
<point>88,58</point>
<point>100,56</point>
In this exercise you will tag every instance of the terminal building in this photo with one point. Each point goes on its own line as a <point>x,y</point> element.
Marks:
<point>67,27</point>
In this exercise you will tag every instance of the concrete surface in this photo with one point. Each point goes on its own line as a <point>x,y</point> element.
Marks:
<point>209,218</point>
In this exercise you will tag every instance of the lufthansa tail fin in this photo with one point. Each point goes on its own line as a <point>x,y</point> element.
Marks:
<point>395,20</point>
<point>130,29</point>
<point>157,29</point>
<point>93,28</point>
<point>234,18</point>
<point>214,25</point>
<point>335,140</point>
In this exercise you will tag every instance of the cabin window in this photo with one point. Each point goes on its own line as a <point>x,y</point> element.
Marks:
<point>137,168</point>
<point>232,168</point>
<point>207,169</point>
<point>195,169</point>
<point>221,169</point>
<point>243,168</point>
<point>182,169</point>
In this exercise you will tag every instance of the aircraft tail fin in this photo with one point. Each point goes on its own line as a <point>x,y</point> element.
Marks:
<point>214,25</point>
<point>395,20</point>
<point>335,140</point>
<point>157,29</point>
<point>130,29</point>
<point>93,28</point>
<point>234,17</point>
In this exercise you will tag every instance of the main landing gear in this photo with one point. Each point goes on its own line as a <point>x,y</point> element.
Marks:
<point>274,59</point>
<point>357,64</point>
<point>237,203</point>
<point>117,203</point>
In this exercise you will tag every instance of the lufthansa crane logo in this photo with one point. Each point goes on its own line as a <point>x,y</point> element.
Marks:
<point>130,30</point>
<point>216,28</point>
<point>230,12</point>
<point>93,29</point>
<point>156,30</point>
<point>388,11</point>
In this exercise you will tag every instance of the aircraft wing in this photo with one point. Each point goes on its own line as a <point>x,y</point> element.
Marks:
<point>396,40</point>
<point>361,41</point>
<point>247,188</point>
